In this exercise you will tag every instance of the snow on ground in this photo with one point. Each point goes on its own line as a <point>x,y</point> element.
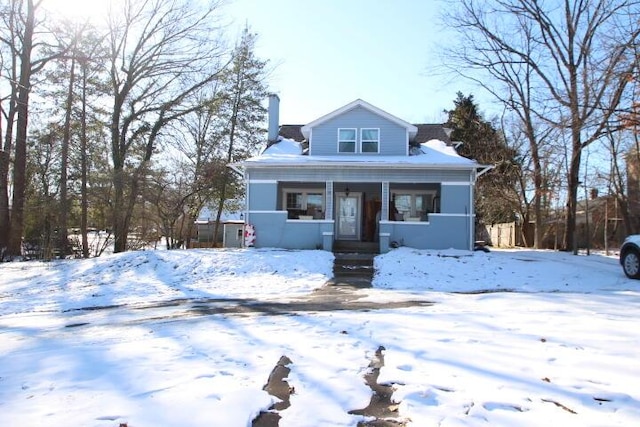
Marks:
<point>81,345</point>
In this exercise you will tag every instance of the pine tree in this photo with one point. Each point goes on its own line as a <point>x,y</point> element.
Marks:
<point>241,113</point>
<point>496,199</point>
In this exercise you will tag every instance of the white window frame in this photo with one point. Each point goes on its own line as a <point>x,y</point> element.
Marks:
<point>413,194</point>
<point>362,141</point>
<point>305,194</point>
<point>355,140</point>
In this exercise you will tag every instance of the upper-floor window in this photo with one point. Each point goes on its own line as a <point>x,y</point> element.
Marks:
<point>370,140</point>
<point>347,140</point>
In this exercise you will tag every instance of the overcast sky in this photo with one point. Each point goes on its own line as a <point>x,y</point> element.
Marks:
<point>328,53</point>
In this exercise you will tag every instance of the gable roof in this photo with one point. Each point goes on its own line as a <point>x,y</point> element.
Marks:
<point>306,129</point>
<point>426,132</point>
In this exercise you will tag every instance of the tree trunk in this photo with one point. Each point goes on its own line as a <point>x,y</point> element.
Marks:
<point>66,137</point>
<point>4,199</point>
<point>20,159</point>
<point>119,227</point>
<point>117,155</point>
<point>84,203</point>
<point>5,158</point>
<point>569,239</point>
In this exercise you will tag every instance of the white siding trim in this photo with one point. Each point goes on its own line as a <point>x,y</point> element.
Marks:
<point>384,211</point>
<point>268,212</point>
<point>463,183</point>
<point>263,181</point>
<point>453,215</point>
<point>406,144</point>
<point>329,200</point>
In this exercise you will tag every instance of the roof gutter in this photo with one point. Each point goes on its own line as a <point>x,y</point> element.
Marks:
<point>367,165</point>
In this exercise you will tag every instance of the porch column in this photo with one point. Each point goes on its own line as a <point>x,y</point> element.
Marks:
<point>384,213</point>
<point>328,211</point>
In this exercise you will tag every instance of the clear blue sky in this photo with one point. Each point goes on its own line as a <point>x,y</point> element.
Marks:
<point>327,53</point>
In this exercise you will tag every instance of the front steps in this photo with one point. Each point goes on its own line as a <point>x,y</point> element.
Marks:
<point>353,264</point>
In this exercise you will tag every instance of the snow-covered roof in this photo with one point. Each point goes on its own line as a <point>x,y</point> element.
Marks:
<point>360,103</point>
<point>209,213</point>
<point>433,153</point>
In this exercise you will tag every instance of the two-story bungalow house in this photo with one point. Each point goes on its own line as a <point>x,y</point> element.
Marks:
<point>360,175</point>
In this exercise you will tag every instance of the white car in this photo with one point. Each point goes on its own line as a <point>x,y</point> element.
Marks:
<point>630,256</point>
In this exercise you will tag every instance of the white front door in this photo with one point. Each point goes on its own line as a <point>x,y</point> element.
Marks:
<point>348,216</point>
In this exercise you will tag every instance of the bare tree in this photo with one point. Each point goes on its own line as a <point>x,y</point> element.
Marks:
<point>201,155</point>
<point>537,179</point>
<point>160,53</point>
<point>566,63</point>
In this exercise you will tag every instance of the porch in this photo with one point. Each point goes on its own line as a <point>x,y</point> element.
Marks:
<point>324,215</point>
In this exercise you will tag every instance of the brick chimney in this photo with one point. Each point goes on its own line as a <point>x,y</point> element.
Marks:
<point>274,117</point>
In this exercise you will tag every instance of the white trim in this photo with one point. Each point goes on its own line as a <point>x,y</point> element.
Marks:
<point>471,225</point>
<point>358,196</point>
<point>362,141</point>
<point>412,223</point>
<point>306,129</point>
<point>355,140</point>
<point>263,181</point>
<point>369,162</point>
<point>454,215</point>
<point>268,212</point>
<point>406,144</point>
<point>246,206</point>
<point>236,167</point>
<point>484,170</point>
<point>462,183</point>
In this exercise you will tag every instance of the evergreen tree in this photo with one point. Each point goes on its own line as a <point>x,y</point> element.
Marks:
<point>241,114</point>
<point>496,200</point>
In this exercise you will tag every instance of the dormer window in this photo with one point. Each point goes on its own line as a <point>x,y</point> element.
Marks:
<point>347,140</point>
<point>370,140</point>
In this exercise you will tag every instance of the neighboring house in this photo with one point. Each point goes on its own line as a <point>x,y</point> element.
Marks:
<point>359,174</point>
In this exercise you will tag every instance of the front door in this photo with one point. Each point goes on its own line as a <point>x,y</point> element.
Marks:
<point>348,216</point>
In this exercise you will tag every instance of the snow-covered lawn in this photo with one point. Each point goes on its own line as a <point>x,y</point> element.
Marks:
<point>80,346</point>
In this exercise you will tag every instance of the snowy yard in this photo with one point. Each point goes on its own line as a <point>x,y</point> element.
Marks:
<point>119,339</point>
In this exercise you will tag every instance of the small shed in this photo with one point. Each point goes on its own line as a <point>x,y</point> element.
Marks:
<point>233,234</point>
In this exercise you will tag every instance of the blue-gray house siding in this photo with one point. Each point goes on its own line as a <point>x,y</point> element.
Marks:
<point>396,196</point>
<point>324,137</point>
